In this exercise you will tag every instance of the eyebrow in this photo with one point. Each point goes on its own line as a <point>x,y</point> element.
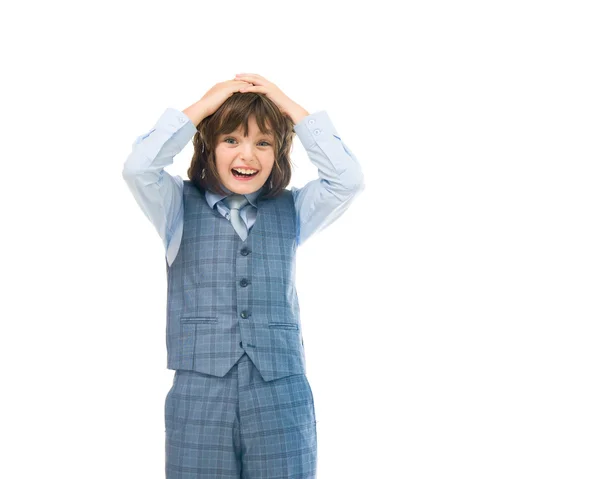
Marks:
<point>269,134</point>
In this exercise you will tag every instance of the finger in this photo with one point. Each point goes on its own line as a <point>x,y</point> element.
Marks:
<point>254,88</point>
<point>248,75</point>
<point>242,83</point>
<point>244,77</point>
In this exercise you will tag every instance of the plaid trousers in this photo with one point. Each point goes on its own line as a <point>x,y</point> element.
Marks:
<point>240,426</point>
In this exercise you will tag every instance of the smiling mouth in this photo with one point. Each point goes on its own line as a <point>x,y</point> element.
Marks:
<point>243,175</point>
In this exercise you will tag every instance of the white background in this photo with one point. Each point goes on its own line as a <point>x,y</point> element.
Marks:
<point>450,316</point>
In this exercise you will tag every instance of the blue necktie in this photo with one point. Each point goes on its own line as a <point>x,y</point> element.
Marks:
<point>235,203</point>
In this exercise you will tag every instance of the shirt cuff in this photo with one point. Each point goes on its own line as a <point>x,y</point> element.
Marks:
<point>314,127</point>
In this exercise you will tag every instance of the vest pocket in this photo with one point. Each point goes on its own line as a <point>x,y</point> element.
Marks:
<point>283,325</point>
<point>197,319</point>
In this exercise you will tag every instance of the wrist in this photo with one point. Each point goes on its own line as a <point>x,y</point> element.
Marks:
<point>297,113</point>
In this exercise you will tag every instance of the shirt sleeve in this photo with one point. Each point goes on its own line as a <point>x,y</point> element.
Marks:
<point>159,194</point>
<point>321,201</point>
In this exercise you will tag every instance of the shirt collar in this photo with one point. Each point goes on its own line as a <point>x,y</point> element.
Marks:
<point>213,198</point>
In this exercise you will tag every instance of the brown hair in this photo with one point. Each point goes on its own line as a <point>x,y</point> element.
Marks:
<point>229,116</point>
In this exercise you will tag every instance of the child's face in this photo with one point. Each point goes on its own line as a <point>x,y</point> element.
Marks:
<point>255,152</point>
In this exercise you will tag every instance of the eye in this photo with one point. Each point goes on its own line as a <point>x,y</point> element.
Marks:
<point>230,138</point>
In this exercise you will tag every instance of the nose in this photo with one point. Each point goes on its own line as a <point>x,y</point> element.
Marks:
<point>246,153</point>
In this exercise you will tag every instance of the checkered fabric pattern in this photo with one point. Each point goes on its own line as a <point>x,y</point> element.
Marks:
<point>227,296</point>
<point>240,426</point>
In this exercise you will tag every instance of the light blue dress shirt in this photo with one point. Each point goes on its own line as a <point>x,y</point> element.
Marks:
<point>160,195</point>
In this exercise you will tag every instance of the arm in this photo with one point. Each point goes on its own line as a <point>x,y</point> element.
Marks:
<point>320,202</point>
<point>160,195</point>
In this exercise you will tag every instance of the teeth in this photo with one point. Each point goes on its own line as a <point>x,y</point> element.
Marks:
<point>247,172</point>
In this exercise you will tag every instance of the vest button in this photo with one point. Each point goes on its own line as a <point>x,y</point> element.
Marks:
<point>241,345</point>
<point>245,251</point>
<point>244,283</point>
<point>245,314</point>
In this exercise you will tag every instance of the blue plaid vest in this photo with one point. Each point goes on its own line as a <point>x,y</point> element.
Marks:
<point>227,296</point>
